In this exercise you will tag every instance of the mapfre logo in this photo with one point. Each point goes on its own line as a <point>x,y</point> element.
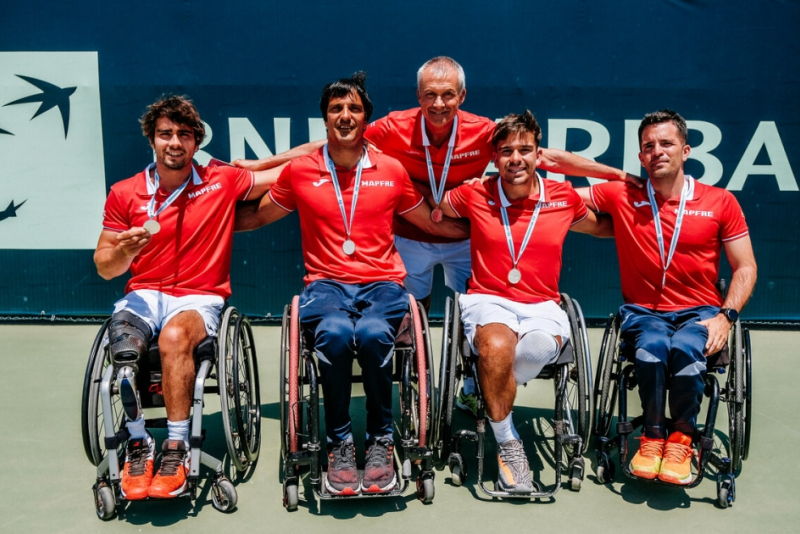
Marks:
<point>51,148</point>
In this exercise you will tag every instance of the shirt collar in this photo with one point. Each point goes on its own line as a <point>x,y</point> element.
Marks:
<point>366,162</point>
<point>420,136</point>
<point>502,194</point>
<point>151,189</point>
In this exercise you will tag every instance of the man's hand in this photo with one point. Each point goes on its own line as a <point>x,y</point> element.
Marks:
<point>248,164</point>
<point>481,180</point>
<point>718,329</point>
<point>633,179</point>
<point>133,241</point>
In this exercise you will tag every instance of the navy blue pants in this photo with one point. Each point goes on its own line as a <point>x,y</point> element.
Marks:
<point>669,346</point>
<point>354,321</point>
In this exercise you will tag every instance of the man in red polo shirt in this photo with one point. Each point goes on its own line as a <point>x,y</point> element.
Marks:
<point>172,227</point>
<point>511,313</point>
<point>441,146</point>
<point>346,196</point>
<point>669,238</point>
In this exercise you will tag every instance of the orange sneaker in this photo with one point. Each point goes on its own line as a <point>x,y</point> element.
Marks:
<point>677,465</point>
<point>170,481</point>
<point>647,461</point>
<point>138,471</point>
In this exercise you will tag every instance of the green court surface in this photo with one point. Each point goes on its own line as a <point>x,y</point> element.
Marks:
<point>47,479</point>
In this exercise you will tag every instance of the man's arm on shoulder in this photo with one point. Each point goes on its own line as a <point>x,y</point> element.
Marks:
<point>115,251</point>
<point>598,225</point>
<point>278,159</point>
<point>264,180</point>
<point>252,215</point>
<point>743,263</point>
<point>420,216</point>
<point>563,162</point>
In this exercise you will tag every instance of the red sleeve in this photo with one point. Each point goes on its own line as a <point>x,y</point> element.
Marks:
<point>732,226</point>
<point>410,198</point>
<point>115,216</point>
<point>281,193</point>
<point>458,198</point>
<point>603,195</point>
<point>580,211</point>
<point>241,179</point>
<point>377,131</point>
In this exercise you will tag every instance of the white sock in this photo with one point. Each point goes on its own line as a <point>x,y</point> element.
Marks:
<point>468,385</point>
<point>178,430</point>
<point>535,350</point>
<point>504,430</point>
<point>136,428</point>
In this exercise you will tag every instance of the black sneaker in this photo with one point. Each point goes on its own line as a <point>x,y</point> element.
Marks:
<point>513,471</point>
<point>342,476</point>
<point>379,469</point>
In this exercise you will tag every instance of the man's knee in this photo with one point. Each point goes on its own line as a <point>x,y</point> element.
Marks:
<point>181,334</point>
<point>128,337</point>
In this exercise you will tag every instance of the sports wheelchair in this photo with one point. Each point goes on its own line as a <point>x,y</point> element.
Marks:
<point>300,393</point>
<point>572,417</point>
<point>616,376</point>
<point>227,361</point>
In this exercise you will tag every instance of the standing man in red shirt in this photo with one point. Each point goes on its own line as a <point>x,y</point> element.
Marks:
<point>511,313</point>
<point>441,146</point>
<point>346,196</point>
<point>172,227</point>
<point>669,238</point>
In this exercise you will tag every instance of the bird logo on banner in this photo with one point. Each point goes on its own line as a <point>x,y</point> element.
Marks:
<point>50,97</point>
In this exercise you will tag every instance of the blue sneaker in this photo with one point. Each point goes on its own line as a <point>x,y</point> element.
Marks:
<point>467,402</point>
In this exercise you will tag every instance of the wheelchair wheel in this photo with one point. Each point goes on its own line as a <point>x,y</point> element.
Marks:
<point>736,397</point>
<point>605,387</point>
<point>748,398</point>
<point>423,373</point>
<point>451,333</point>
<point>92,421</point>
<point>579,380</point>
<point>240,397</point>
<point>289,377</point>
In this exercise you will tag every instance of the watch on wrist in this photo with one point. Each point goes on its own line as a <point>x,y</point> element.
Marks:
<point>731,314</point>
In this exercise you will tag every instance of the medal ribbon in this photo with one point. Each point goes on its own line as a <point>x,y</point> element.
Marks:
<point>152,213</point>
<point>686,192</point>
<point>507,227</point>
<point>438,191</point>
<point>332,168</point>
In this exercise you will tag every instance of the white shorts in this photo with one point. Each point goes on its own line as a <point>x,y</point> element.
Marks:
<point>157,308</point>
<point>480,310</point>
<point>420,258</point>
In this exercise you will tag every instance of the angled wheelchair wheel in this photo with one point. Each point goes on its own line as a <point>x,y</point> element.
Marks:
<point>289,378</point>
<point>735,397</point>
<point>92,417</point>
<point>237,372</point>
<point>579,380</point>
<point>605,386</point>
<point>748,397</point>
<point>447,377</point>
<point>422,372</point>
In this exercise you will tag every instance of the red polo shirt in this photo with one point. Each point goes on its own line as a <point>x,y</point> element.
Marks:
<point>399,135</point>
<point>711,217</point>
<point>540,264</point>
<point>191,254</point>
<point>305,185</point>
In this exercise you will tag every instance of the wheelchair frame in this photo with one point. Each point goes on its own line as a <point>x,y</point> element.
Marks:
<point>232,364</point>
<point>615,378</point>
<point>300,392</point>
<point>573,414</point>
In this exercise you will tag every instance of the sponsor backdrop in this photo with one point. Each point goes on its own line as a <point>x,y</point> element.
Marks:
<point>74,78</point>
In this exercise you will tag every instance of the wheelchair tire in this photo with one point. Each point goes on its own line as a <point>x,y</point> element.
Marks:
<point>422,373</point>
<point>605,387</point>
<point>224,496</point>
<point>579,381</point>
<point>104,504</point>
<point>237,374</point>
<point>92,419</point>
<point>748,407</point>
<point>293,392</point>
<point>451,333</point>
<point>736,398</point>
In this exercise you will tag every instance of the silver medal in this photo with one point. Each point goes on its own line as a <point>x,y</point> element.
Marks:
<point>514,276</point>
<point>152,226</point>
<point>349,247</point>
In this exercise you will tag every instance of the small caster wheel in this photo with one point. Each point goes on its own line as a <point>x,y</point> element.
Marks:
<point>726,493</point>
<point>223,495</point>
<point>604,470</point>
<point>425,489</point>
<point>406,469</point>
<point>456,475</point>
<point>576,474</point>
<point>104,503</point>
<point>290,497</point>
